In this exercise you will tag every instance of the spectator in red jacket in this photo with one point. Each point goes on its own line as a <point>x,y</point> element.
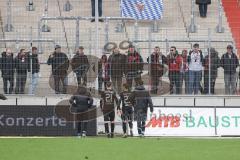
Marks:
<point>134,66</point>
<point>174,63</point>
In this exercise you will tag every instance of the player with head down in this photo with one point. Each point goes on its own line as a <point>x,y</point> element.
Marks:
<point>126,110</point>
<point>107,103</point>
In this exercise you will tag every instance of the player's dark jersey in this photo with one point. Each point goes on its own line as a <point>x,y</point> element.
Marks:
<point>108,100</point>
<point>125,100</point>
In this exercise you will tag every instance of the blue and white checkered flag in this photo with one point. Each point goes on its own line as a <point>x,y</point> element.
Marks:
<point>142,9</point>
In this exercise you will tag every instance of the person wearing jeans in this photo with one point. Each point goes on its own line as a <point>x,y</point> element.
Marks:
<point>195,60</point>
<point>184,73</point>
<point>22,68</point>
<point>60,63</point>
<point>35,71</point>
<point>174,62</point>
<point>99,10</point>
<point>203,5</point>
<point>80,66</point>
<point>211,64</point>
<point>7,66</point>
<point>103,73</point>
<point>229,62</point>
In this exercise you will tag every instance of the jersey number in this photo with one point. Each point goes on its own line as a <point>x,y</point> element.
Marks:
<point>108,98</point>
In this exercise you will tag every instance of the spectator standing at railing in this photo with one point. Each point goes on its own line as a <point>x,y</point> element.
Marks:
<point>195,60</point>
<point>203,6</point>
<point>229,62</point>
<point>214,65</point>
<point>134,66</point>
<point>103,73</point>
<point>80,66</point>
<point>174,61</point>
<point>99,10</point>
<point>35,70</point>
<point>7,64</point>
<point>60,64</point>
<point>184,72</point>
<point>117,63</point>
<point>22,68</point>
<point>157,61</point>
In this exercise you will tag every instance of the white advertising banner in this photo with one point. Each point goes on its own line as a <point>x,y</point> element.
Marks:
<point>180,122</point>
<point>228,121</point>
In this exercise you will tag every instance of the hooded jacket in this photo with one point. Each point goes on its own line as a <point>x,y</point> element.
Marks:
<point>141,99</point>
<point>82,100</point>
<point>214,64</point>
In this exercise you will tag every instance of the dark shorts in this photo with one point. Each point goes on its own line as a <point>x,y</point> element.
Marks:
<point>127,114</point>
<point>109,116</point>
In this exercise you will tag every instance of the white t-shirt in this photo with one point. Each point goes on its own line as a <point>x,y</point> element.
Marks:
<point>195,63</point>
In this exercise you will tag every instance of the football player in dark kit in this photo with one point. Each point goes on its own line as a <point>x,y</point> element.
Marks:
<point>107,103</point>
<point>126,110</point>
<point>81,102</point>
<point>141,101</point>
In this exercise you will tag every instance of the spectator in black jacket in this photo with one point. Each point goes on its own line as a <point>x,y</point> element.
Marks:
<point>214,62</point>
<point>229,62</point>
<point>157,61</point>
<point>103,73</point>
<point>117,63</point>
<point>81,102</point>
<point>141,100</point>
<point>22,68</point>
<point>80,66</point>
<point>7,64</point>
<point>35,70</point>
<point>60,64</point>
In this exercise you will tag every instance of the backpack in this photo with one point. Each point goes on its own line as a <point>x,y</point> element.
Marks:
<point>189,56</point>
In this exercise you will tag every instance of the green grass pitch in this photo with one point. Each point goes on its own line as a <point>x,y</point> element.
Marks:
<point>119,149</point>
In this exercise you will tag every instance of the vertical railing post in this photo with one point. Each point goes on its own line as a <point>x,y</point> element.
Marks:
<point>9,26</point>
<point>31,61</point>
<point>209,61</point>
<point>192,28</point>
<point>106,31</point>
<point>77,34</point>
<point>136,32</point>
<point>220,28</point>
